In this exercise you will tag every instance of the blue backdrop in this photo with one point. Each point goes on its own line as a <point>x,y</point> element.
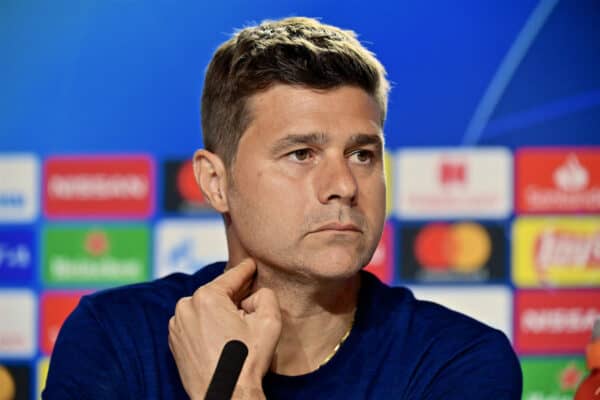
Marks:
<point>125,76</point>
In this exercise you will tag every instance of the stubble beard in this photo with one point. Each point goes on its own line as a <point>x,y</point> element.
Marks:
<point>293,262</point>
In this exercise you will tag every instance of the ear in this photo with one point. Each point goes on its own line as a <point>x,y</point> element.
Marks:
<point>211,177</point>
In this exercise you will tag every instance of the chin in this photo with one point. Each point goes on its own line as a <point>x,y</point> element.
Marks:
<point>336,266</point>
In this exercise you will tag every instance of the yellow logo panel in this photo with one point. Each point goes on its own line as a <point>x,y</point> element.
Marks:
<point>387,165</point>
<point>556,251</point>
<point>42,373</point>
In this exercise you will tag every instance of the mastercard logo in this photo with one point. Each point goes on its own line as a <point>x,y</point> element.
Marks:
<point>462,247</point>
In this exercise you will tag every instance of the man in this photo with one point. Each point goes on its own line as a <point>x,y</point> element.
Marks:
<point>292,118</point>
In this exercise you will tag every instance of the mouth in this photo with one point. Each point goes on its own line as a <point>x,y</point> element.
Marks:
<point>338,227</point>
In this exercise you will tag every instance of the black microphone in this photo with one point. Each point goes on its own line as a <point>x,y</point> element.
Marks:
<point>228,370</point>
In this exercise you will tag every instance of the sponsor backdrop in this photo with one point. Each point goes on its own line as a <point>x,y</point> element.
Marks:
<point>493,162</point>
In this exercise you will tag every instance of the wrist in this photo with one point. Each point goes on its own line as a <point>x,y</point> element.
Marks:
<point>248,392</point>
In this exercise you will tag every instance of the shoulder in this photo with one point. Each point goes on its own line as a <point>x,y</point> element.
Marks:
<point>116,336</point>
<point>429,318</point>
<point>443,346</point>
<point>160,294</point>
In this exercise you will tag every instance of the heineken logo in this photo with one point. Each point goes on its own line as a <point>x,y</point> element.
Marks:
<point>96,243</point>
<point>551,378</point>
<point>570,377</point>
<point>95,256</point>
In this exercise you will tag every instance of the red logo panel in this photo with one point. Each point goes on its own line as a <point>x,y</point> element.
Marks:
<point>381,264</point>
<point>555,321</point>
<point>54,309</point>
<point>116,186</point>
<point>558,180</point>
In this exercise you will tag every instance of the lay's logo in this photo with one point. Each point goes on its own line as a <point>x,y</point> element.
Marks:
<point>556,252</point>
<point>98,186</point>
<point>563,247</point>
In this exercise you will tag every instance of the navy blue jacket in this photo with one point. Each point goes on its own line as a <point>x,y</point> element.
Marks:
<point>114,346</point>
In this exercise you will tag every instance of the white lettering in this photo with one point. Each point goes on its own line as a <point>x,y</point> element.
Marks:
<point>98,186</point>
<point>559,320</point>
<point>579,250</point>
<point>65,269</point>
<point>12,200</point>
<point>543,396</point>
<point>541,198</point>
<point>14,257</point>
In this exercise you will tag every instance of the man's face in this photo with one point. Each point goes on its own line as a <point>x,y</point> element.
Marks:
<point>307,193</point>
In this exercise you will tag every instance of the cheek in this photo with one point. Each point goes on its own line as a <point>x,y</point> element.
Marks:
<point>266,204</point>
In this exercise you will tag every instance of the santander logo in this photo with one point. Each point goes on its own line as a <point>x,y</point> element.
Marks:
<point>558,180</point>
<point>571,176</point>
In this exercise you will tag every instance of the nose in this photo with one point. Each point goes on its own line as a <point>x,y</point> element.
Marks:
<point>336,182</point>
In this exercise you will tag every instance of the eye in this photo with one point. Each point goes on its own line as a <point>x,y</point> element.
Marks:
<point>301,154</point>
<point>362,156</point>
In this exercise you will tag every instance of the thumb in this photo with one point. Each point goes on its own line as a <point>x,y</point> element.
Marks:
<point>264,304</point>
<point>235,279</point>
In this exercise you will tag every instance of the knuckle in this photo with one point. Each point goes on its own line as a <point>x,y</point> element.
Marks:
<point>204,298</point>
<point>181,307</point>
<point>200,290</point>
<point>272,319</point>
<point>181,304</point>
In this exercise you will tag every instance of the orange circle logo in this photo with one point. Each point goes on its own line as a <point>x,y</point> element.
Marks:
<point>463,247</point>
<point>7,384</point>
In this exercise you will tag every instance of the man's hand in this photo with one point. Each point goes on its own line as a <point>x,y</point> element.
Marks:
<point>216,313</point>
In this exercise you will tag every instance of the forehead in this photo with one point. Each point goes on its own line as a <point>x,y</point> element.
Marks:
<point>284,110</point>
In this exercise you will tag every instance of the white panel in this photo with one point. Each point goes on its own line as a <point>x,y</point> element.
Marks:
<point>187,246</point>
<point>491,305</point>
<point>453,183</point>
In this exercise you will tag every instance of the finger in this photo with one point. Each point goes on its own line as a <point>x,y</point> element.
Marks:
<point>263,302</point>
<point>183,307</point>
<point>244,291</point>
<point>235,279</point>
<point>172,324</point>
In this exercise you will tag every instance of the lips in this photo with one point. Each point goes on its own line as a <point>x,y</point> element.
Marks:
<point>336,226</point>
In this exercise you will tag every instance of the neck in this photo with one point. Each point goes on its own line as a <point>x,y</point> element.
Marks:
<point>316,314</point>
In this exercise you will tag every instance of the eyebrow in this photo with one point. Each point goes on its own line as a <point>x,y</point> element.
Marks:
<point>320,138</point>
<point>363,139</point>
<point>316,138</point>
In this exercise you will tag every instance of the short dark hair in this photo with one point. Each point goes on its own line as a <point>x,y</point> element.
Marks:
<point>295,51</point>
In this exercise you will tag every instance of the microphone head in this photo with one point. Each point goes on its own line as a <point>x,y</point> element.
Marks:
<point>228,370</point>
<point>235,352</point>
